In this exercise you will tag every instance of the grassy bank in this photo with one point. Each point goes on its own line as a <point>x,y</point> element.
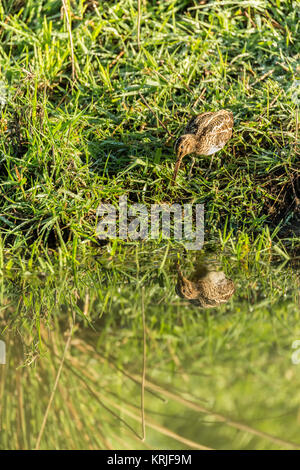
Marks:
<point>92,114</point>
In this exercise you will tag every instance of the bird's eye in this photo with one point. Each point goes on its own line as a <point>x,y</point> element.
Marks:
<point>181,147</point>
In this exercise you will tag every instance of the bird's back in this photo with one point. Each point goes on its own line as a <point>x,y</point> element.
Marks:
<point>212,130</point>
<point>210,290</point>
<point>209,122</point>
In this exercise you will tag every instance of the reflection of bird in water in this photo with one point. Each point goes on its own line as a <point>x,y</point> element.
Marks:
<point>205,134</point>
<point>208,289</point>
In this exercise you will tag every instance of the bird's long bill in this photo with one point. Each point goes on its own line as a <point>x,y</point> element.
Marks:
<point>177,165</point>
<point>179,272</point>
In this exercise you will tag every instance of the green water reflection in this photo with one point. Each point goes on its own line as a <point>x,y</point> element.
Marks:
<point>218,368</point>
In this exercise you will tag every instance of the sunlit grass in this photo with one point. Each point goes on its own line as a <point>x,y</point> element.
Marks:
<point>90,113</point>
<point>68,145</point>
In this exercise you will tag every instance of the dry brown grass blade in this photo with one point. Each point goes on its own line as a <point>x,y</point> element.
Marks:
<point>221,418</point>
<point>153,425</point>
<point>84,347</point>
<point>106,402</point>
<point>38,442</point>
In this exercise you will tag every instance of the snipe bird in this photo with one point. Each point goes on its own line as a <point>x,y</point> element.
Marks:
<point>205,134</point>
<point>208,289</point>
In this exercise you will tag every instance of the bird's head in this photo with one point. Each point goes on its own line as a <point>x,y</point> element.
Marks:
<point>185,145</point>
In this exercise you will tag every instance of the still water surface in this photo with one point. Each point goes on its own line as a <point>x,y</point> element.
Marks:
<point>152,350</point>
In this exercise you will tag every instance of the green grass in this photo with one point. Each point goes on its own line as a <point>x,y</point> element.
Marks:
<point>67,145</point>
<point>83,125</point>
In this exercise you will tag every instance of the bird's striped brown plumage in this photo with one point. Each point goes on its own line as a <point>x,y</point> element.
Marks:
<point>206,290</point>
<point>205,134</point>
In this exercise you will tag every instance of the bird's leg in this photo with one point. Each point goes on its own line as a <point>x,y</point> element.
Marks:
<point>211,161</point>
<point>191,168</point>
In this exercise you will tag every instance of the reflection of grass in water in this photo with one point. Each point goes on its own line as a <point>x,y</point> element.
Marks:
<point>201,366</point>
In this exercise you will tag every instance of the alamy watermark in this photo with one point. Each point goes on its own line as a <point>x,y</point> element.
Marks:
<point>296,354</point>
<point>3,94</point>
<point>2,352</point>
<point>183,223</point>
<point>295,92</point>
